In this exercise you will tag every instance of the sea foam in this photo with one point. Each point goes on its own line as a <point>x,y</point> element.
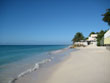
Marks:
<point>38,64</point>
<point>36,67</point>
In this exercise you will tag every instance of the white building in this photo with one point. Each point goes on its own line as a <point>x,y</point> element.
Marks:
<point>92,39</point>
<point>81,43</point>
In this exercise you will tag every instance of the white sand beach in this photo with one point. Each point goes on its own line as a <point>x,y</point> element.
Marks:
<point>88,65</point>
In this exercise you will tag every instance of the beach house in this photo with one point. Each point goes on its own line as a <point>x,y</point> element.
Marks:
<point>81,42</point>
<point>92,39</point>
<point>107,39</point>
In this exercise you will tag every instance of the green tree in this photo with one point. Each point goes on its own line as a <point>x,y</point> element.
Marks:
<point>78,36</point>
<point>100,37</point>
<point>91,33</point>
<point>106,17</point>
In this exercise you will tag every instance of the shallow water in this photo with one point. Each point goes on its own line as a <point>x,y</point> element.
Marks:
<point>17,61</point>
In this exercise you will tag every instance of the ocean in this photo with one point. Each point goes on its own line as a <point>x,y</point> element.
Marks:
<point>19,60</point>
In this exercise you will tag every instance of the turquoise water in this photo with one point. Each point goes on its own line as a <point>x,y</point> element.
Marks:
<point>13,53</point>
<point>17,60</point>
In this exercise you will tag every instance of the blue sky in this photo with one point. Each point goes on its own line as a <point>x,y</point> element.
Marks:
<point>49,21</point>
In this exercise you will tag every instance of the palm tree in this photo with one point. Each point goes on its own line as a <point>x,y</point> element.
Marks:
<point>106,17</point>
<point>91,33</point>
<point>78,36</point>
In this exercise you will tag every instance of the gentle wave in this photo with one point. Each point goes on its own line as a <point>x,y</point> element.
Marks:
<point>59,51</point>
<point>36,67</point>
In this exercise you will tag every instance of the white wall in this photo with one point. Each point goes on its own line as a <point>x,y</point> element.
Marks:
<point>83,43</point>
<point>107,34</point>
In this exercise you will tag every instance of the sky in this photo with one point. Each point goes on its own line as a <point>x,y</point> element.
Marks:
<point>43,22</point>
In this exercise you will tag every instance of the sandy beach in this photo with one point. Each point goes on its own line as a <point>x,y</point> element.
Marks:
<point>87,65</point>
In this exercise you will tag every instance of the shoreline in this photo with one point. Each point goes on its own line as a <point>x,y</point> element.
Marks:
<point>26,59</point>
<point>87,65</point>
<point>59,56</point>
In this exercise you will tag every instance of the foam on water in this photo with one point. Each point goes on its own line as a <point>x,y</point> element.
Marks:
<point>36,67</point>
<point>10,72</point>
